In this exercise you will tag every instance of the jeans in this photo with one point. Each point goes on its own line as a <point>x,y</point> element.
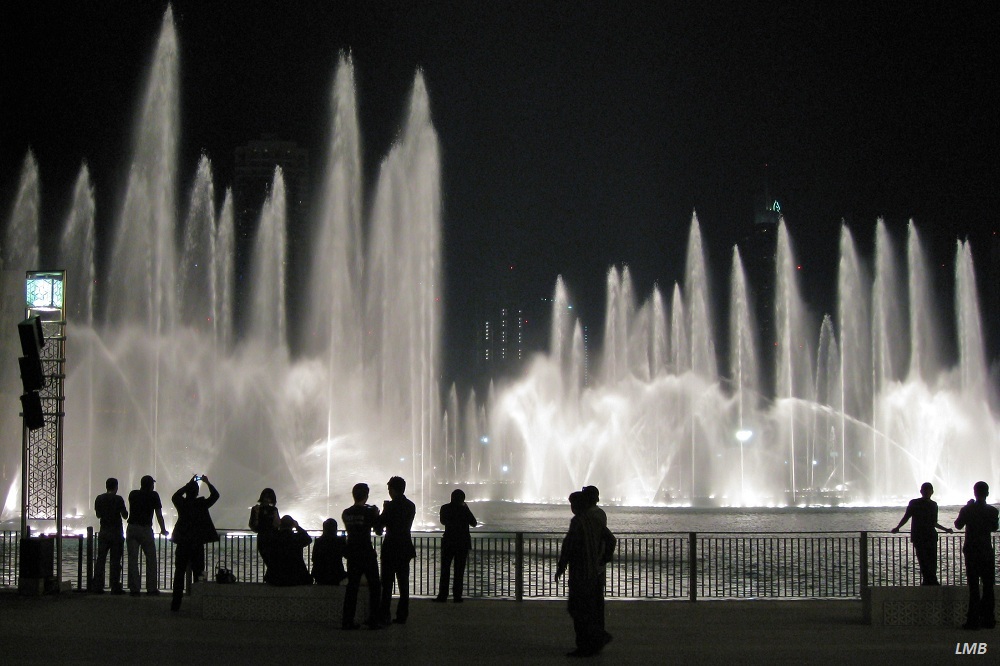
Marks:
<point>395,568</point>
<point>448,555</point>
<point>362,563</point>
<point>136,537</point>
<point>186,555</point>
<point>926,552</point>
<point>109,541</point>
<point>980,574</point>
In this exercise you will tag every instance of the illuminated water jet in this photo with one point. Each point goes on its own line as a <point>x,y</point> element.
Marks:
<point>862,410</point>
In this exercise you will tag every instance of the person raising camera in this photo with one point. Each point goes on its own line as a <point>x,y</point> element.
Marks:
<point>194,528</point>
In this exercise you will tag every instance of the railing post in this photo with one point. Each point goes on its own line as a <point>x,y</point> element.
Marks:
<point>519,566</point>
<point>863,578</point>
<point>79,562</point>
<point>693,573</point>
<point>90,556</point>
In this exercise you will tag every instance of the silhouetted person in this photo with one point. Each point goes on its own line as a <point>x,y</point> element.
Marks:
<point>923,511</point>
<point>193,529</point>
<point>592,496</point>
<point>143,504</point>
<point>287,565</point>
<point>110,509</point>
<point>359,521</point>
<point>397,549</point>
<point>456,542</point>
<point>264,521</point>
<point>980,520</point>
<point>583,551</point>
<point>328,555</point>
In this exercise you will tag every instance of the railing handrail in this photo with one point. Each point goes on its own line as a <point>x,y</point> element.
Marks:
<point>904,533</point>
<point>647,564</point>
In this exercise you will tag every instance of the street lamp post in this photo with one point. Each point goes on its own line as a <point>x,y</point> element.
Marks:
<point>43,342</point>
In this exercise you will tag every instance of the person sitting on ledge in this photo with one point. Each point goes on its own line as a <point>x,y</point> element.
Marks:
<point>328,555</point>
<point>287,566</point>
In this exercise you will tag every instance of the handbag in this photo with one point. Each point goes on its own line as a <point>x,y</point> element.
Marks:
<point>224,575</point>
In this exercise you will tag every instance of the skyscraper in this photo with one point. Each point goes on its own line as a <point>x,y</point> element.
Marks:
<point>255,164</point>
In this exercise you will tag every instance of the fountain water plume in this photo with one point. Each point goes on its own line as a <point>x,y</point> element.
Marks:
<point>677,410</point>
<point>18,253</point>
<point>847,421</point>
<point>158,382</point>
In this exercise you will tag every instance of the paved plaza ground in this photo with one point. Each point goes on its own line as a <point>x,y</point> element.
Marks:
<point>87,629</point>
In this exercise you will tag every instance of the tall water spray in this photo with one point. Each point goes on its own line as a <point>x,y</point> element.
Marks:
<point>864,406</point>
<point>848,422</point>
<point>158,383</point>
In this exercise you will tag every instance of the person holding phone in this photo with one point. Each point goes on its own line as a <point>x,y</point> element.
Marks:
<point>397,549</point>
<point>360,519</point>
<point>194,528</point>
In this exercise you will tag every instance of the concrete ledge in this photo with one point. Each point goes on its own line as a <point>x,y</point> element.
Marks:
<point>915,606</point>
<point>259,601</point>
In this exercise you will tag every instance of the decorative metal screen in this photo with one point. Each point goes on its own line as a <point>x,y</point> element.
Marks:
<point>43,447</point>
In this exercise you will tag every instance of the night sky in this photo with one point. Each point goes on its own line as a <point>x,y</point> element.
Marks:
<point>574,136</point>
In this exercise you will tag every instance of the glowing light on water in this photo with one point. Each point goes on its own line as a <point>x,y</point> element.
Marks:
<point>847,426</point>
<point>158,383</point>
<point>863,408</point>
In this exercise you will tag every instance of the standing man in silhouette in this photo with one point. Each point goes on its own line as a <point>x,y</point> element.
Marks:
<point>592,496</point>
<point>397,550</point>
<point>110,509</point>
<point>456,543</point>
<point>144,503</point>
<point>923,511</point>
<point>980,520</point>
<point>359,521</point>
<point>583,552</point>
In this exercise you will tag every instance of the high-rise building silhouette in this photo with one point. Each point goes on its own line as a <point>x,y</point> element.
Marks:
<point>253,177</point>
<point>758,251</point>
<point>511,327</point>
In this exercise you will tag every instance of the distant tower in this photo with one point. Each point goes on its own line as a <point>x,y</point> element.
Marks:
<point>511,327</point>
<point>252,179</point>
<point>759,252</point>
<point>992,301</point>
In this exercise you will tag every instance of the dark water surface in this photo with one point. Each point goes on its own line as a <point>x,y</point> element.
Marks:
<point>517,517</point>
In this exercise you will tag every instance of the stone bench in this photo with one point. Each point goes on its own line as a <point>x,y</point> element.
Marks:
<point>922,605</point>
<point>259,601</point>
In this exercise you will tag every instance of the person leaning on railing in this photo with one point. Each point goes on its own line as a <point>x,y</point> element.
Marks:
<point>456,542</point>
<point>923,512</point>
<point>144,503</point>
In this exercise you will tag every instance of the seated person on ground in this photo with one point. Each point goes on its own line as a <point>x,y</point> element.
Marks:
<point>287,566</point>
<point>328,555</point>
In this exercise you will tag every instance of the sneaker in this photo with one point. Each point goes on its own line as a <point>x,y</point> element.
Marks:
<point>117,591</point>
<point>152,593</point>
<point>439,600</point>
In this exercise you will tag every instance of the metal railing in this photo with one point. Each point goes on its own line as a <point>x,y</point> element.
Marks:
<point>662,565</point>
